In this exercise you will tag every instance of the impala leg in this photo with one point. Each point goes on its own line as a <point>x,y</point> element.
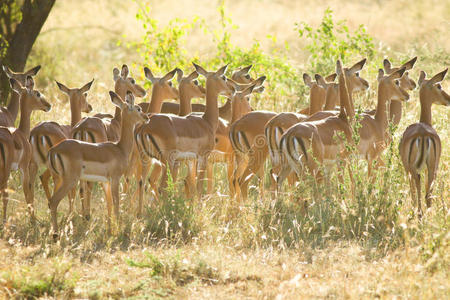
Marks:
<point>28,191</point>
<point>109,203</point>
<point>155,175</point>
<point>284,172</point>
<point>4,195</point>
<point>71,196</point>
<point>85,193</point>
<point>189,182</point>
<point>230,169</point>
<point>116,199</point>
<point>240,166</point>
<point>45,178</point>
<point>62,188</point>
<point>417,201</point>
<point>255,165</point>
<point>141,182</point>
<point>429,185</point>
<point>209,177</point>
<point>202,161</point>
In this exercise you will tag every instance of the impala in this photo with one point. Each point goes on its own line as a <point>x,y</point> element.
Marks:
<point>172,138</point>
<point>46,134</point>
<point>420,145</point>
<point>320,91</point>
<point>307,143</point>
<point>354,83</point>
<point>72,160</point>
<point>101,128</point>
<point>8,114</point>
<point>14,145</point>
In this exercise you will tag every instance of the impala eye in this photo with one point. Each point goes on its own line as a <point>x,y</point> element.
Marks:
<point>132,81</point>
<point>138,108</point>
<point>357,74</point>
<point>170,83</point>
<point>38,94</point>
<point>439,86</point>
<point>247,76</point>
<point>397,83</point>
<point>223,77</point>
<point>195,82</point>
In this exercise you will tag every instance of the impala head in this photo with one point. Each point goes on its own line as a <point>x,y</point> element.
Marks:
<point>405,81</point>
<point>216,80</point>
<point>190,86</point>
<point>354,81</point>
<point>163,85</point>
<point>77,96</point>
<point>390,85</point>
<point>124,83</point>
<point>21,77</point>
<point>29,97</point>
<point>431,89</point>
<point>240,98</point>
<point>130,112</point>
<point>242,75</point>
<point>317,92</point>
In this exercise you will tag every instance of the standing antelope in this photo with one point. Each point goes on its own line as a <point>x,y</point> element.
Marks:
<point>46,134</point>
<point>14,145</point>
<point>420,144</point>
<point>354,83</point>
<point>172,138</point>
<point>8,114</point>
<point>101,128</point>
<point>72,160</point>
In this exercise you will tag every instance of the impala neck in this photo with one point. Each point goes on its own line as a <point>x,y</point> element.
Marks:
<point>395,112</point>
<point>226,110</point>
<point>185,107</point>
<point>118,112</point>
<point>346,101</point>
<point>316,99</point>
<point>425,110</point>
<point>24,124</point>
<point>211,114</point>
<point>330,100</point>
<point>125,142</point>
<point>237,110</point>
<point>156,101</point>
<point>75,113</point>
<point>14,104</point>
<point>381,114</point>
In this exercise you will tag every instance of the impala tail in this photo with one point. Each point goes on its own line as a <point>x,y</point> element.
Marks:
<point>420,150</point>
<point>41,144</point>
<point>273,136</point>
<point>239,141</point>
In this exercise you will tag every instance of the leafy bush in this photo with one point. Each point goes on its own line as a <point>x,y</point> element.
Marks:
<point>331,40</point>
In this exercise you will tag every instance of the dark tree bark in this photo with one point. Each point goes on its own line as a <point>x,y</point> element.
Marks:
<point>34,15</point>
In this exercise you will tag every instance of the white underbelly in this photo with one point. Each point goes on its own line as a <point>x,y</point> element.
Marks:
<point>14,166</point>
<point>94,171</point>
<point>91,177</point>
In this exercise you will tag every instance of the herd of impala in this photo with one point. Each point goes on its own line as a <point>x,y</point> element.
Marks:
<point>159,136</point>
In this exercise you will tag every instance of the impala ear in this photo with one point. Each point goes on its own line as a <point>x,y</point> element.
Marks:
<point>169,76</point>
<point>410,63</point>
<point>248,90</point>
<point>233,84</point>
<point>7,71</point>
<point>307,79</point>
<point>422,77</point>
<point>246,69</point>
<point>222,70</point>
<point>33,71</point>
<point>260,89</point>
<point>387,65</point>
<point>116,74</point>
<point>200,70</point>
<point>87,86</point>
<point>331,78</point>
<point>260,81</point>
<point>339,70</point>
<point>115,99</point>
<point>15,85</point>
<point>179,75</point>
<point>358,66</point>
<point>29,83</point>
<point>193,75</point>
<point>63,88</point>
<point>320,80</point>
<point>380,74</point>
<point>397,74</point>
<point>124,73</point>
<point>438,77</point>
<point>149,75</point>
<point>129,98</point>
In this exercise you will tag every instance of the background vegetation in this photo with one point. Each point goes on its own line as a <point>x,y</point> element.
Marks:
<point>329,246</point>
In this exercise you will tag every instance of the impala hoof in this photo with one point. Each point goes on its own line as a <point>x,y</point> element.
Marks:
<point>55,237</point>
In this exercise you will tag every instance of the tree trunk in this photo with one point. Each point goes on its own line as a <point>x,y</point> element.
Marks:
<point>34,15</point>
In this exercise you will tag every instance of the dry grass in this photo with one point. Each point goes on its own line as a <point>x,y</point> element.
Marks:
<point>245,255</point>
